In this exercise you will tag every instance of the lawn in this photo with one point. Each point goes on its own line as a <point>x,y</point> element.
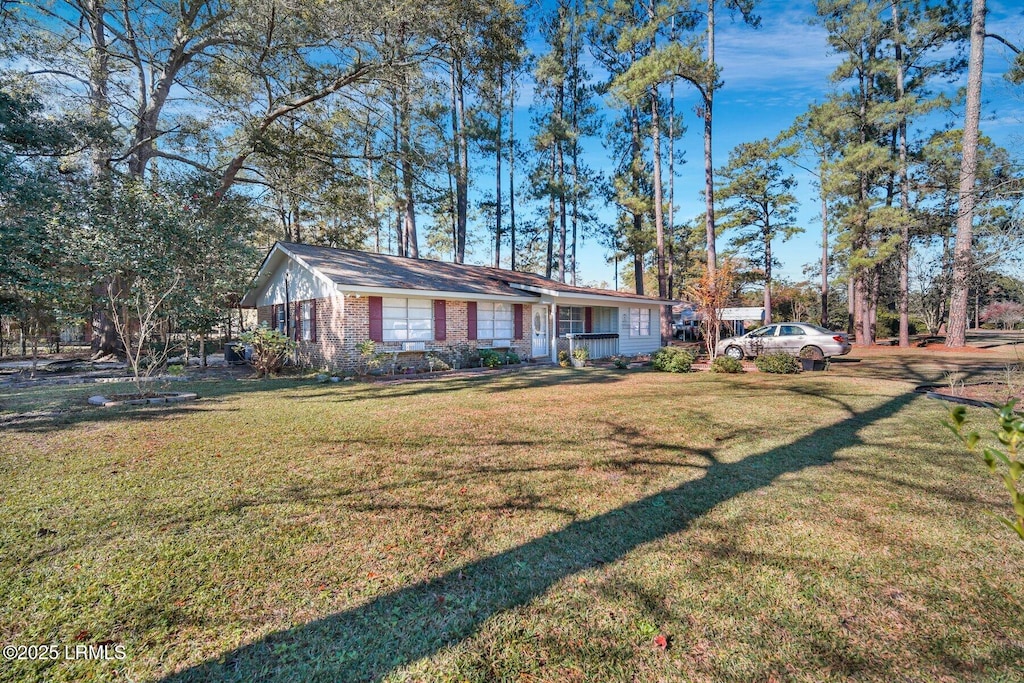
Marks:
<point>545,525</point>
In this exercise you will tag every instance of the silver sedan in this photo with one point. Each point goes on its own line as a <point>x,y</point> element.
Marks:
<point>799,339</point>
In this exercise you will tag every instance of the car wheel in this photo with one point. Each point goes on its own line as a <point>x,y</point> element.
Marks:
<point>734,352</point>
<point>812,352</point>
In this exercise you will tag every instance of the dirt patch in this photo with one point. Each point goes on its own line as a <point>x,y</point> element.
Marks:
<point>919,348</point>
<point>994,393</point>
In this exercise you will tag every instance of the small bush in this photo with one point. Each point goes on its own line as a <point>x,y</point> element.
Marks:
<point>490,358</point>
<point>620,362</point>
<point>270,350</point>
<point>672,359</point>
<point>434,363</point>
<point>563,358</point>
<point>727,365</point>
<point>512,358</point>
<point>777,363</point>
<point>888,325</point>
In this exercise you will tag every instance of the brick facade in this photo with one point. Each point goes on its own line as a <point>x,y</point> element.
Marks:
<point>343,322</point>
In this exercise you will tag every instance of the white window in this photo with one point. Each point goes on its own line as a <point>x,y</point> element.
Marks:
<point>570,320</point>
<point>494,321</point>
<point>279,318</point>
<point>307,321</point>
<point>639,322</point>
<point>408,319</point>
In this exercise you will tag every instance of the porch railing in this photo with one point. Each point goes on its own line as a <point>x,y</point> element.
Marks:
<point>600,344</point>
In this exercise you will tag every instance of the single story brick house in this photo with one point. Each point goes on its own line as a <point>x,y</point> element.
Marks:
<point>330,300</point>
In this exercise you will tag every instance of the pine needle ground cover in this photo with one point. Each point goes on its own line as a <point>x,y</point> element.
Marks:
<point>546,525</point>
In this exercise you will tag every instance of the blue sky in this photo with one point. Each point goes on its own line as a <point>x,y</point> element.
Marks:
<point>770,75</point>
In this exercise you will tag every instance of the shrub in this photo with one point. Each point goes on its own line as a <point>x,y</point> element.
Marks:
<point>370,360</point>
<point>563,358</point>
<point>777,363</point>
<point>672,359</point>
<point>620,362</point>
<point>270,349</point>
<point>434,363</point>
<point>490,358</point>
<point>581,353</point>
<point>727,365</point>
<point>888,325</point>
<point>512,358</point>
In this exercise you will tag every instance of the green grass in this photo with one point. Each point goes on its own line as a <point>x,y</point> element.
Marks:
<point>538,526</point>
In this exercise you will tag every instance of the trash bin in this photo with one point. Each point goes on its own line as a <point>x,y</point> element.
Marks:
<point>233,353</point>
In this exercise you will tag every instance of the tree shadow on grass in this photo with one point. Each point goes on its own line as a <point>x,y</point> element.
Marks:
<point>214,391</point>
<point>367,642</point>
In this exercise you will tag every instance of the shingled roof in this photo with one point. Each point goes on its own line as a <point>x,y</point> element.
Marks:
<point>347,267</point>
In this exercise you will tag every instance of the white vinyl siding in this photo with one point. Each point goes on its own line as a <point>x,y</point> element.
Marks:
<point>408,319</point>
<point>632,344</point>
<point>494,320</point>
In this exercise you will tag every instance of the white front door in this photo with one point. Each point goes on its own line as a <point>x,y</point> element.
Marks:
<point>540,332</point>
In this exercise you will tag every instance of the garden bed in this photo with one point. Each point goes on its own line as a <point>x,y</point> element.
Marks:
<point>153,398</point>
<point>982,394</point>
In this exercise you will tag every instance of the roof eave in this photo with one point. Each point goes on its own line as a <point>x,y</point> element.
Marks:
<point>554,293</point>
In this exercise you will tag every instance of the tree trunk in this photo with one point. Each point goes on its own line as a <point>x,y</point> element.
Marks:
<point>659,220</point>
<point>512,173</point>
<point>956,331</point>
<point>560,150</point>
<point>497,172</point>
<point>709,171</point>
<point>824,252</point>
<point>551,221</point>
<point>462,169</point>
<point>767,276</point>
<point>638,219</point>
<point>670,226</point>
<point>409,238</point>
<point>638,269</point>
<point>904,185</point>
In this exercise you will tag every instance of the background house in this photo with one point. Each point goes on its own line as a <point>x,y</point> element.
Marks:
<point>330,300</point>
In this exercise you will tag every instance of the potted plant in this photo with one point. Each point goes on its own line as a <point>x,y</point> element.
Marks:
<point>580,356</point>
<point>812,359</point>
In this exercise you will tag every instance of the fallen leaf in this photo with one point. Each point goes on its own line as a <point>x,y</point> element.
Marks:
<point>661,640</point>
<point>82,635</point>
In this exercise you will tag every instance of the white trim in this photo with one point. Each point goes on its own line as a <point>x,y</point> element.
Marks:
<point>576,296</point>
<point>361,290</point>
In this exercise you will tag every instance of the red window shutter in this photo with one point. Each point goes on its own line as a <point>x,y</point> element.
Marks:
<point>471,320</point>
<point>376,318</point>
<point>312,320</point>
<point>297,321</point>
<point>440,320</point>
<point>588,319</point>
<point>517,317</point>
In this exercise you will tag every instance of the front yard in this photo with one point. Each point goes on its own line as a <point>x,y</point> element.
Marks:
<point>545,525</point>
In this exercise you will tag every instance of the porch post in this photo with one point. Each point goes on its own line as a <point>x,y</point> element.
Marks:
<point>553,333</point>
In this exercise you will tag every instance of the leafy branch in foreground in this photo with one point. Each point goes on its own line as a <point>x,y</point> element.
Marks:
<point>1011,436</point>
